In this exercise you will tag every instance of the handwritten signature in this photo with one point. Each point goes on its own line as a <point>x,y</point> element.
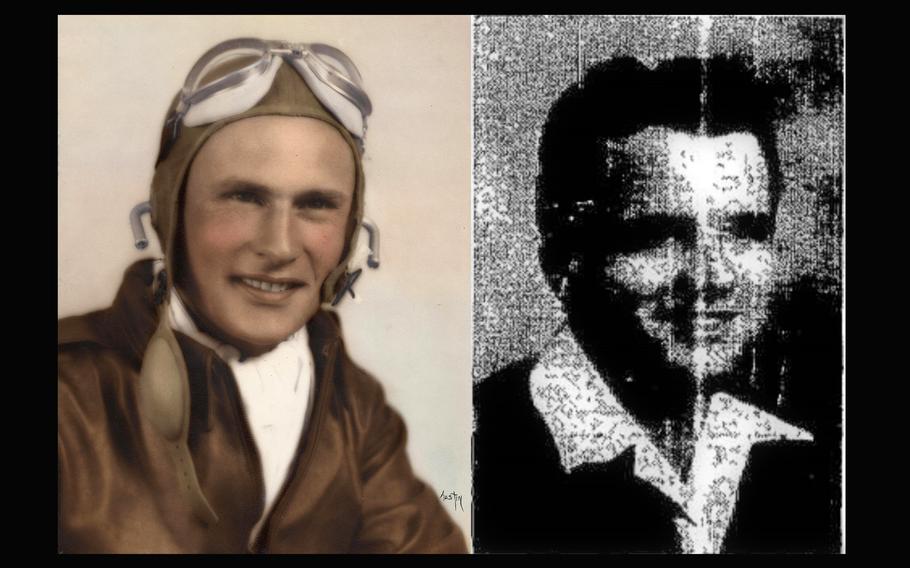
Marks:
<point>454,497</point>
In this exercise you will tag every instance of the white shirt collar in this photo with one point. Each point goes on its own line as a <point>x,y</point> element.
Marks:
<point>590,425</point>
<point>276,389</point>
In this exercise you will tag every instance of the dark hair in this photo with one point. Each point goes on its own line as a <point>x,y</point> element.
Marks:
<point>620,97</point>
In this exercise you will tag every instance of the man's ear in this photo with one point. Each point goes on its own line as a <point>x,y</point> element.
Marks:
<point>554,266</point>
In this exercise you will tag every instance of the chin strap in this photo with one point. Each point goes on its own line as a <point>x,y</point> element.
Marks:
<point>164,398</point>
<point>364,254</point>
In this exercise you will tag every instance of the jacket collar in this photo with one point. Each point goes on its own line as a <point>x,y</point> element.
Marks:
<point>589,424</point>
<point>127,325</point>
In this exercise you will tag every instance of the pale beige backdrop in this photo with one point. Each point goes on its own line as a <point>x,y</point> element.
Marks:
<point>411,329</point>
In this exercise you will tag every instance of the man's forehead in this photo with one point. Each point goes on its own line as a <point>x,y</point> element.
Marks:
<point>667,169</point>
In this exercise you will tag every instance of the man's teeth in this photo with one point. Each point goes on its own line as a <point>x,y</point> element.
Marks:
<point>267,286</point>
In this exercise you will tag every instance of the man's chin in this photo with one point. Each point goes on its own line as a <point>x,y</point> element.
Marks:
<point>264,332</point>
<point>702,361</point>
<point>259,343</point>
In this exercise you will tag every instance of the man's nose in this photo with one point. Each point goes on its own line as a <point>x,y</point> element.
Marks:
<point>711,272</point>
<point>276,239</point>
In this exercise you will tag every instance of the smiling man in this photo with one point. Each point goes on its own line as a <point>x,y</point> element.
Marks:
<point>213,407</point>
<point>658,419</point>
<point>267,207</point>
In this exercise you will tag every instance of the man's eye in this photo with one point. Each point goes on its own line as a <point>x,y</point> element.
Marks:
<point>245,197</point>
<point>753,226</point>
<point>318,202</point>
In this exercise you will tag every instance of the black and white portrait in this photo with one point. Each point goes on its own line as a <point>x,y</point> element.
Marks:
<point>657,284</point>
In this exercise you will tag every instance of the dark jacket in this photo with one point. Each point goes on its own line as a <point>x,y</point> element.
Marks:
<point>350,487</point>
<point>525,502</point>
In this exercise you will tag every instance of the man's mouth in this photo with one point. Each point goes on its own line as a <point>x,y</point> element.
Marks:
<point>271,285</point>
<point>719,315</point>
<point>713,325</point>
<point>689,323</point>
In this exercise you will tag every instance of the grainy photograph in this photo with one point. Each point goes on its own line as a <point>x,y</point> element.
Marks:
<point>658,290</point>
<point>263,284</point>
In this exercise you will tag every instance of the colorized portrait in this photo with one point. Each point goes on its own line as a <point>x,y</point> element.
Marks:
<point>264,284</point>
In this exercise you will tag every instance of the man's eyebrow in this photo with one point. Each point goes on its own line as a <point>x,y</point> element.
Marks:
<point>240,184</point>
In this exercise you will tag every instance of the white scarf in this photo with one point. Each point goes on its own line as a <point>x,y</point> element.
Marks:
<point>276,389</point>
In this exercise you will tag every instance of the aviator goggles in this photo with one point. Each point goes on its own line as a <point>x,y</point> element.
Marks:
<point>328,72</point>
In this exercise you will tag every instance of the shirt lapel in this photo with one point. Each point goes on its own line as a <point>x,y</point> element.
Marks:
<point>589,425</point>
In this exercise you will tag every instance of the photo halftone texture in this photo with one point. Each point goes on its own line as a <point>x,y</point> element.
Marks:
<point>523,64</point>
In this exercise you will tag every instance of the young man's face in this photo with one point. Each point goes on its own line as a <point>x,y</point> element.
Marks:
<point>693,251</point>
<point>265,219</point>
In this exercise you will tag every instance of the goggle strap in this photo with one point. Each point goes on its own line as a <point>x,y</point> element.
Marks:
<point>172,130</point>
